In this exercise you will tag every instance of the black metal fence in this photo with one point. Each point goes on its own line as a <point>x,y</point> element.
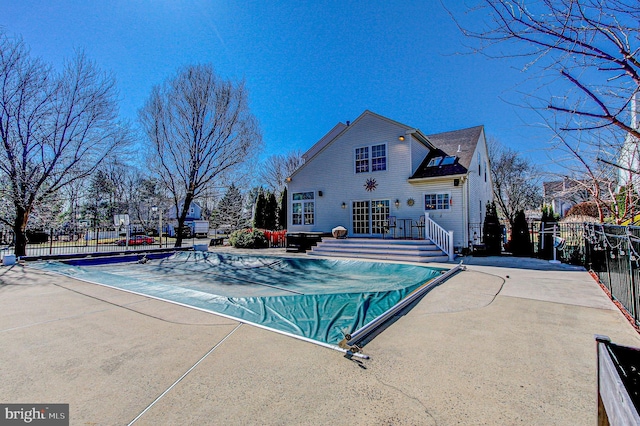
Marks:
<point>87,240</point>
<point>612,252</point>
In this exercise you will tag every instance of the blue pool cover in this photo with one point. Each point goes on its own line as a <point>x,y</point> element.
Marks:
<point>318,299</point>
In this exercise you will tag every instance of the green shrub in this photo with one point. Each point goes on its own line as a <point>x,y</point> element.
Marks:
<point>545,242</point>
<point>492,231</point>
<point>520,239</point>
<point>248,238</point>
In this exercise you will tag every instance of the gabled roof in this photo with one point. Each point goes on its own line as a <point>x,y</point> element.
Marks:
<point>341,128</point>
<point>459,143</point>
<point>559,188</point>
<point>317,147</point>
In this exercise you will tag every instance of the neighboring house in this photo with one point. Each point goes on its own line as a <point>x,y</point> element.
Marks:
<point>563,194</point>
<point>194,213</point>
<point>629,162</point>
<point>360,174</point>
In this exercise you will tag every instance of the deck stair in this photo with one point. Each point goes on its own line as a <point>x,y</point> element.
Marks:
<point>422,251</point>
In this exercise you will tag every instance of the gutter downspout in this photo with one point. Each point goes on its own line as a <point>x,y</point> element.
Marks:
<point>465,206</point>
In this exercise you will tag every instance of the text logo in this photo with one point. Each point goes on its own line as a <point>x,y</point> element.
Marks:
<point>34,414</point>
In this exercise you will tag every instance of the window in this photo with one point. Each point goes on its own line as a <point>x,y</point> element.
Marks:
<point>442,161</point>
<point>303,208</point>
<point>378,158</point>
<point>362,160</point>
<point>434,162</point>
<point>379,215</point>
<point>447,161</point>
<point>360,217</point>
<point>437,202</point>
<point>375,163</point>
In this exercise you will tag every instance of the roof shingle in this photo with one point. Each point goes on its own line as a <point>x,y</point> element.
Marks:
<point>458,143</point>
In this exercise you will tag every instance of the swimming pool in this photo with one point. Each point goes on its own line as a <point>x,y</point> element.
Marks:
<point>317,299</point>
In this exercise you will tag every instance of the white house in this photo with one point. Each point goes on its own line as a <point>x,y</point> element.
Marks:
<point>361,174</point>
<point>194,213</point>
<point>563,194</point>
<point>629,160</point>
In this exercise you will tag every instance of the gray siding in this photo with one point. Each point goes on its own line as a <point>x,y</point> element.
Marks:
<point>480,190</point>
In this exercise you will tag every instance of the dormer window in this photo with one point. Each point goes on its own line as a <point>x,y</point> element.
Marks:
<point>435,161</point>
<point>442,161</point>
<point>447,161</point>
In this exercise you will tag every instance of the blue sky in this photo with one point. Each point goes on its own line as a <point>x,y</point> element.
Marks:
<point>307,65</point>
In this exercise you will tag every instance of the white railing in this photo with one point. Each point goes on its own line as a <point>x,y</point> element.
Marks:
<point>439,236</point>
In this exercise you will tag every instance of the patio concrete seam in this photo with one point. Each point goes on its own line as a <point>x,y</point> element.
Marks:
<point>612,308</point>
<point>185,374</point>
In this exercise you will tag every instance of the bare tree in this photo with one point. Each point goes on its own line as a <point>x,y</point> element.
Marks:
<point>516,181</point>
<point>55,128</point>
<point>590,164</point>
<point>199,127</point>
<point>592,45</point>
<point>277,168</point>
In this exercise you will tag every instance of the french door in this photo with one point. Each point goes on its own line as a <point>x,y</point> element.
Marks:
<point>369,216</point>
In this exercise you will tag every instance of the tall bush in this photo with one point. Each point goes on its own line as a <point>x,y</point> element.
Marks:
<point>492,231</point>
<point>520,239</point>
<point>271,212</point>
<point>260,211</point>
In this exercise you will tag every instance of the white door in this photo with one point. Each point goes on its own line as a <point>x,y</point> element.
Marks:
<point>369,216</point>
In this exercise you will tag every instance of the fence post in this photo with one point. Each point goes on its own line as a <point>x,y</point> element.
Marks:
<point>634,298</point>
<point>450,244</point>
<point>50,240</point>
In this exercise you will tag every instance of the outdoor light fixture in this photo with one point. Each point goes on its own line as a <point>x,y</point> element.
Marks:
<point>344,205</point>
<point>397,203</point>
<point>288,179</point>
<point>400,138</point>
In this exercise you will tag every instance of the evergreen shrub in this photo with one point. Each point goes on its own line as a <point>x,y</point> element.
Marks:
<point>520,244</point>
<point>492,232</point>
<point>248,238</point>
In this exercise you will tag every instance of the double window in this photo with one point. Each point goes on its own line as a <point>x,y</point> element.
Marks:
<point>303,208</point>
<point>437,201</point>
<point>371,158</point>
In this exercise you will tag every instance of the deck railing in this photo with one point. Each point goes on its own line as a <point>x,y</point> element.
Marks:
<point>442,238</point>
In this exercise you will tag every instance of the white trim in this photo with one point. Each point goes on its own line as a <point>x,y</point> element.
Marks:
<point>370,214</point>
<point>436,193</point>
<point>436,178</point>
<point>303,202</point>
<point>370,158</point>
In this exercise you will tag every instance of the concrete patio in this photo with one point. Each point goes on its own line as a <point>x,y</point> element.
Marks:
<point>509,341</point>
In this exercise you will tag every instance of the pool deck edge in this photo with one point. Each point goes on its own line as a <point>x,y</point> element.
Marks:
<point>496,345</point>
